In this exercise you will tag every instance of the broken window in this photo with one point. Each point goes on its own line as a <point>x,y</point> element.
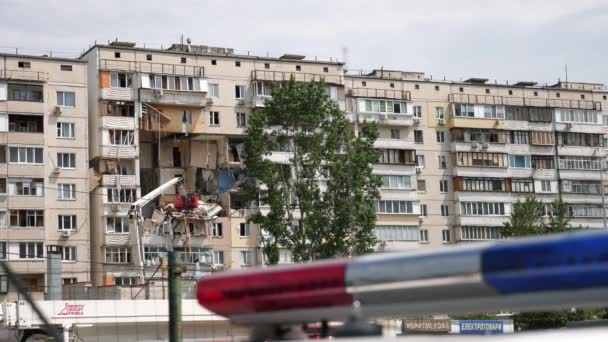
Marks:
<point>121,80</point>
<point>122,137</point>
<point>187,117</point>
<point>177,157</point>
<point>25,123</point>
<point>217,229</point>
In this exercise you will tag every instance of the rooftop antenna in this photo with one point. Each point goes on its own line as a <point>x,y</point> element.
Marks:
<point>566,68</point>
<point>344,56</point>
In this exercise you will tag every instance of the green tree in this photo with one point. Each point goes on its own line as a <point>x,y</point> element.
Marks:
<point>321,199</point>
<point>528,218</point>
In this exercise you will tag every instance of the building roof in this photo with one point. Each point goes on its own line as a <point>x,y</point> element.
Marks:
<point>44,57</point>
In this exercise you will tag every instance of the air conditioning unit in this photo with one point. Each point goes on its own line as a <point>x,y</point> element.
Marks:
<point>115,207</point>
<point>418,169</point>
<point>158,92</point>
<point>56,169</point>
<point>484,145</point>
<point>417,121</point>
<point>384,116</point>
<point>350,92</point>
<point>474,145</point>
<point>569,125</point>
<point>209,102</point>
<point>57,110</point>
<point>66,233</point>
<point>441,121</point>
<point>240,102</point>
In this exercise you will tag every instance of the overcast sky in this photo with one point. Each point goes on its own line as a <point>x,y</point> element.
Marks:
<point>503,40</point>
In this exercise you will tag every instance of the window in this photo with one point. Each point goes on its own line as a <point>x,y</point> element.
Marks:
<point>437,88</point>
<point>26,186</point>
<point>440,136</point>
<point>520,161</point>
<point>266,65</point>
<point>418,112</point>
<point>396,233</point>
<point>65,67</point>
<point>424,235</point>
<point>25,92</point>
<point>604,97</point>
<point>493,112</point>
<point>584,210</point>
<point>2,251</point>
<point>396,182</point>
<point>26,218</point>
<point>423,210</point>
<point>186,117</point>
<point>66,222</point>
<point>154,254</point>
<point>194,254</point>
<point>214,89</point>
<point>541,138</point>
<point>118,255</point>
<point>285,256</point>
<point>122,195</point>
<point>31,250</point>
<point>66,192</point>
<point>439,112</point>
<point>581,187</point>
<point>535,93</point>
<point>68,253</point>
<point>545,186</point>
<point>214,118</point>
<point>580,139</point>
<point>66,160</point>
<point>117,224</point>
<point>418,137</point>
<point>298,68</point>
<point>394,207</point>
<point>464,110</point>
<point>392,85</point>
<point>578,116</point>
<point>244,230</point>
<point>518,137</point>
<point>421,185</point>
<point>65,130</point>
<point>148,57</point>
<point>481,159</point>
<point>241,119</point>
<point>579,163</point>
<point>522,185</point>
<point>237,64</point>
<point>121,80</point>
<point>487,91</point>
<point>245,258</point>
<point>510,92</point>
<point>66,99</point>
<point>325,69</point>
<point>382,106</point>
<point>116,54</point>
<point>540,114</point>
<point>416,86</point>
<point>444,210</point>
<point>125,281</point>
<point>582,96</point>
<point>443,185</point>
<point>395,133</point>
<point>543,162</point>
<point>3,186</point>
<point>183,60</point>
<point>482,208</point>
<point>218,257</point>
<point>24,65</point>
<point>239,91</point>
<point>445,234</point>
<point>402,157</point>
<point>479,233</point>
<point>557,94</point>
<point>213,62</point>
<point>217,229</point>
<point>443,161</point>
<point>420,160</point>
<point>480,184</point>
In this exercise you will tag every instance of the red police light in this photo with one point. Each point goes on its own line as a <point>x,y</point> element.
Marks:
<point>303,286</point>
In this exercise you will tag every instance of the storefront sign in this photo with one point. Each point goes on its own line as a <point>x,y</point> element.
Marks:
<point>427,325</point>
<point>72,310</point>
<point>481,327</point>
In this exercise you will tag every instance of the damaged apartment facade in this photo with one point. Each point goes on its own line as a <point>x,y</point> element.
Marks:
<point>454,155</point>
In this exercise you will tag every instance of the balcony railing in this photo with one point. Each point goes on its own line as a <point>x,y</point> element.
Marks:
<point>523,101</point>
<point>576,164</point>
<point>24,75</point>
<point>119,151</point>
<point>380,93</point>
<point>280,76</point>
<point>153,68</point>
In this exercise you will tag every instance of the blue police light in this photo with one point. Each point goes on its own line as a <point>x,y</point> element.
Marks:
<point>565,262</point>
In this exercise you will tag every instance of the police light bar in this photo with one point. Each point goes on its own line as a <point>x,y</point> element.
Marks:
<point>559,271</point>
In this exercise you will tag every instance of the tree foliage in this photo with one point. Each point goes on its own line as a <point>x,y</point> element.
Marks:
<point>320,196</point>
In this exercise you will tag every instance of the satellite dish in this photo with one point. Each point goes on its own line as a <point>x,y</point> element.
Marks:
<point>188,41</point>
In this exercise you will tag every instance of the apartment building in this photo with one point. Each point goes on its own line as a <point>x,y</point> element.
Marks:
<point>44,198</point>
<point>182,111</point>
<point>480,147</point>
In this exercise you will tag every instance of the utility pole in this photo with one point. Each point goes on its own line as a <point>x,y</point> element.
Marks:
<point>175,298</point>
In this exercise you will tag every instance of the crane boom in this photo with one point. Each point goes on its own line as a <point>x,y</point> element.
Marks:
<point>154,193</point>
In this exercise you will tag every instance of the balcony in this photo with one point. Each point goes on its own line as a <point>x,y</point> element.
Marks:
<point>383,119</point>
<point>27,75</point>
<point>119,151</point>
<point>152,68</point>
<point>117,94</point>
<point>397,144</point>
<point>173,97</point>
<point>118,239</point>
<point>482,220</point>
<point>474,146</point>
<point>281,76</point>
<point>117,122</point>
<point>129,181</point>
<point>523,101</point>
<point>380,93</point>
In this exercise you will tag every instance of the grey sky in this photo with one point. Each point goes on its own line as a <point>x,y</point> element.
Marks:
<point>504,40</point>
